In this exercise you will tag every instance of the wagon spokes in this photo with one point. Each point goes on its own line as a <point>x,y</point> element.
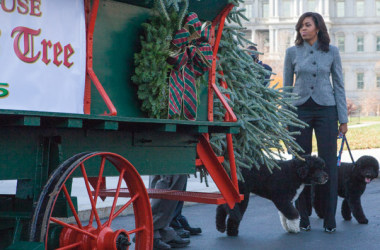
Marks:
<point>100,176</point>
<point>58,233</point>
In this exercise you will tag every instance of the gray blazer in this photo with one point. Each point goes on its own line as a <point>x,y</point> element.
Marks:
<point>313,68</point>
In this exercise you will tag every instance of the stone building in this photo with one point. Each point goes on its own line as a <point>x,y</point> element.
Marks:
<point>354,27</point>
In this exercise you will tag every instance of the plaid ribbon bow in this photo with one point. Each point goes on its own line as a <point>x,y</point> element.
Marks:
<point>191,57</point>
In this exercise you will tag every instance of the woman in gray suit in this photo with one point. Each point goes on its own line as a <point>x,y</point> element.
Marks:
<point>321,104</point>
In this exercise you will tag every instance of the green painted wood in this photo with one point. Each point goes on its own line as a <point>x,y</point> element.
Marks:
<point>168,128</point>
<point>125,123</point>
<point>116,39</point>
<point>106,125</point>
<point>26,245</point>
<point>71,123</point>
<point>162,152</point>
<point>206,9</point>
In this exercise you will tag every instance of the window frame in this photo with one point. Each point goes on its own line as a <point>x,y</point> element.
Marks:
<point>362,13</point>
<point>360,83</point>
<point>338,37</point>
<point>343,14</point>
<point>357,43</point>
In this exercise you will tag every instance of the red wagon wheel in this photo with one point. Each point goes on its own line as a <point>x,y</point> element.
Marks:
<point>92,233</point>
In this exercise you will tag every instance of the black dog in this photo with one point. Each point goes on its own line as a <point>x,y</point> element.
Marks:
<point>282,187</point>
<point>352,182</point>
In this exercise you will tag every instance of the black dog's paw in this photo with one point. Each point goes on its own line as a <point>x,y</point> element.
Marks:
<point>232,227</point>
<point>363,221</point>
<point>221,215</point>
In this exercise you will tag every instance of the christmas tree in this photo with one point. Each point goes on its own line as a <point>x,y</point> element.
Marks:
<point>260,109</point>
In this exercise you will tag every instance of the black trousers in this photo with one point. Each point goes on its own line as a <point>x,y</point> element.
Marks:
<point>324,121</point>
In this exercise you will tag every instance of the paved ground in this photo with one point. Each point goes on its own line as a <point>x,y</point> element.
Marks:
<point>261,229</point>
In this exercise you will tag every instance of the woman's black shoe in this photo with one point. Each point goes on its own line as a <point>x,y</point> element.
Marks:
<point>330,230</point>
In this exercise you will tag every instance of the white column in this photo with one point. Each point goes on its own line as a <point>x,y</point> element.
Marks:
<point>296,5</point>
<point>271,8</point>
<point>350,42</point>
<point>350,76</point>
<point>253,36</point>
<point>256,8</point>
<point>319,6</point>
<point>271,40</point>
<point>349,8</point>
<point>369,8</point>
<point>370,42</point>
<point>276,8</point>
<point>369,78</point>
<point>332,8</point>
<point>327,8</point>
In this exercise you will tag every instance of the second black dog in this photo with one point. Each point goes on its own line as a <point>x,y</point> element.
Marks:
<point>282,187</point>
<point>352,182</point>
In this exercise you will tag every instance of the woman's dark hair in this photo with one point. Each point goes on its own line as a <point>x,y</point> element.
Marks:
<point>323,36</point>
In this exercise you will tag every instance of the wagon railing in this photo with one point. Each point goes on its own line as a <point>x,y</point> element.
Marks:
<point>90,74</point>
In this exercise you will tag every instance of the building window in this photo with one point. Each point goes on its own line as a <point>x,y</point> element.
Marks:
<point>377,7</point>
<point>360,43</point>
<point>287,8</point>
<point>248,11</point>
<point>340,43</point>
<point>340,8</point>
<point>265,8</point>
<point>311,5</point>
<point>359,8</point>
<point>378,43</point>
<point>360,80</point>
<point>378,81</point>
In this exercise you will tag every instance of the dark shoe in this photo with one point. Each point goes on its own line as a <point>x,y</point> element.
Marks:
<point>330,230</point>
<point>158,244</point>
<point>182,233</point>
<point>193,230</point>
<point>178,243</point>
<point>307,228</point>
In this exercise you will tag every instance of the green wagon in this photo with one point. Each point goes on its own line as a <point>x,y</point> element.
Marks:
<point>45,151</point>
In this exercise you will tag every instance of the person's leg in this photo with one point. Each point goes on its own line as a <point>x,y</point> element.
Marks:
<point>304,139</point>
<point>162,210</point>
<point>326,131</point>
<point>175,223</point>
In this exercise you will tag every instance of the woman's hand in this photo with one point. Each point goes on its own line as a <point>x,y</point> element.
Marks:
<point>343,128</point>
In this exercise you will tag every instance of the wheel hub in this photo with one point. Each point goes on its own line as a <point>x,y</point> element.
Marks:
<point>105,238</point>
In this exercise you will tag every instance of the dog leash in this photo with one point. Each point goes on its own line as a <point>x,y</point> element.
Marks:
<point>344,139</point>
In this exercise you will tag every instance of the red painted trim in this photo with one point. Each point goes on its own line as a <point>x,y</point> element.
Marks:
<point>217,172</point>
<point>230,113</point>
<point>220,19</point>
<point>90,74</point>
<point>230,145</point>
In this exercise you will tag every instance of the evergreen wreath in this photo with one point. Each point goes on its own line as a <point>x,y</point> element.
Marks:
<point>151,63</point>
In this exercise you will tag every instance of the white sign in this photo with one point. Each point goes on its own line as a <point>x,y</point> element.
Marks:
<point>42,55</point>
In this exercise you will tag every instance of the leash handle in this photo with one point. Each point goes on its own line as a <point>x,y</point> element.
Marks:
<point>349,151</point>
<point>344,139</point>
<point>341,136</point>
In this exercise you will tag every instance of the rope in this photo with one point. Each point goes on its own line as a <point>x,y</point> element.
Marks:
<point>344,139</point>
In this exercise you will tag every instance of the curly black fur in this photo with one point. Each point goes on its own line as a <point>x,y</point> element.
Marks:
<point>352,182</point>
<point>282,187</point>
